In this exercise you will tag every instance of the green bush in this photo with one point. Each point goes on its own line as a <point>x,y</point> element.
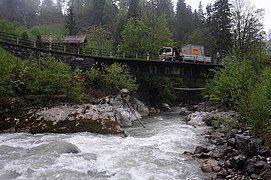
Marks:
<point>246,87</point>
<point>111,79</point>
<point>48,76</point>
<point>231,84</point>
<point>259,112</point>
<point>7,76</point>
<point>116,77</point>
<point>12,27</point>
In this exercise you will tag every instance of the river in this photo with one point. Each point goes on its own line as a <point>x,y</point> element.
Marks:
<point>153,153</point>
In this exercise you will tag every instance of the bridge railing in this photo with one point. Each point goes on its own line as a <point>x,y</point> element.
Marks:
<point>61,47</point>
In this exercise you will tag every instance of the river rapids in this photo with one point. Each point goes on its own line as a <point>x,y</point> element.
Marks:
<point>153,153</point>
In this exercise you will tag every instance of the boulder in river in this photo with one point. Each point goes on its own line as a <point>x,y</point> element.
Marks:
<point>105,116</point>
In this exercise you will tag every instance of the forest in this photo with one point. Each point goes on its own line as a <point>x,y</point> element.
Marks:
<point>141,26</point>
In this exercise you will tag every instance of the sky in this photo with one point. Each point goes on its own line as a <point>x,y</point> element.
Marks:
<point>263,4</point>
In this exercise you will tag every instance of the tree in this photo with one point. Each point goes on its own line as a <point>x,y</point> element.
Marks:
<point>248,29</point>
<point>49,13</point>
<point>159,34</point>
<point>221,26</point>
<point>29,12</point>
<point>184,21</point>
<point>200,14</point>
<point>203,37</point>
<point>134,38</point>
<point>162,7</point>
<point>70,22</point>
<point>25,39</point>
<point>146,36</point>
<point>9,9</point>
<point>119,26</point>
<point>109,14</point>
<point>99,38</point>
<point>134,10</point>
<point>97,12</point>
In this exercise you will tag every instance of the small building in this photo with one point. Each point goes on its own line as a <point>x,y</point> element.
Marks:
<point>74,43</point>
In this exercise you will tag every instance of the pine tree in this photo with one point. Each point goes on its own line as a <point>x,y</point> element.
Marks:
<point>201,15</point>
<point>70,22</point>
<point>165,7</point>
<point>97,12</point>
<point>134,10</point>
<point>184,22</point>
<point>221,26</point>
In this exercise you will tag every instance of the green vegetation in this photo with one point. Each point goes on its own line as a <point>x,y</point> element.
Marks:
<point>242,86</point>
<point>12,27</point>
<point>48,77</point>
<point>111,79</point>
<point>8,65</point>
<point>56,29</point>
<point>158,90</point>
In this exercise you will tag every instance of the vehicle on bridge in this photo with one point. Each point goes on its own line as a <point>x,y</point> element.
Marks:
<point>189,53</point>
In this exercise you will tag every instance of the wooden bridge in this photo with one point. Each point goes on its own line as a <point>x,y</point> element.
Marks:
<point>26,48</point>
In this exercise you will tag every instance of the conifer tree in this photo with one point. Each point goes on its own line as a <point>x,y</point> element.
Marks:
<point>200,14</point>
<point>70,21</point>
<point>134,10</point>
<point>184,22</point>
<point>97,12</point>
<point>221,26</point>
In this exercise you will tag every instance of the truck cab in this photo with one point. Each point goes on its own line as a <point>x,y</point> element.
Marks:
<point>170,54</point>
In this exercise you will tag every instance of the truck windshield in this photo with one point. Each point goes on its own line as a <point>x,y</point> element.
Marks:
<point>165,50</point>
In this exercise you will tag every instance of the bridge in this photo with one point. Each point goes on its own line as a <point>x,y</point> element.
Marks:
<point>27,48</point>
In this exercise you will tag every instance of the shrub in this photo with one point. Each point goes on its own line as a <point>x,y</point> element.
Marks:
<point>259,113</point>
<point>12,27</point>
<point>111,79</point>
<point>8,66</point>
<point>231,84</point>
<point>245,86</point>
<point>48,76</point>
<point>116,77</point>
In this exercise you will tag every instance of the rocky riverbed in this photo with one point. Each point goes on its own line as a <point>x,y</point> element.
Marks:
<point>233,151</point>
<point>105,116</point>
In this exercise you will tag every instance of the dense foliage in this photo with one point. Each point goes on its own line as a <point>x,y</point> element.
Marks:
<point>242,87</point>
<point>145,36</point>
<point>46,76</point>
<point>157,90</point>
<point>111,79</point>
<point>7,76</point>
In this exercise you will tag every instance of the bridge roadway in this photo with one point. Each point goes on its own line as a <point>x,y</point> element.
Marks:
<point>137,66</point>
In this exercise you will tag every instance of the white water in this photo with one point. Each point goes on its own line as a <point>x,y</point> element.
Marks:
<point>154,153</point>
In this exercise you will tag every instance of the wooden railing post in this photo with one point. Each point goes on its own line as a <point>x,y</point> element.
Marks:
<point>50,41</point>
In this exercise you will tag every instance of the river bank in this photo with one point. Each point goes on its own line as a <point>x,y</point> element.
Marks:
<point>232,152</point>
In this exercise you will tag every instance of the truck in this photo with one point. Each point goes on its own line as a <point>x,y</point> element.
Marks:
<point>188,53</point>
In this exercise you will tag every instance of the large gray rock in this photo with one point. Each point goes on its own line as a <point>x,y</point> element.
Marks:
<point>68,119</point>
<point>58,147</point>
<point>106,115</point>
